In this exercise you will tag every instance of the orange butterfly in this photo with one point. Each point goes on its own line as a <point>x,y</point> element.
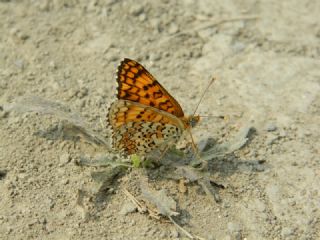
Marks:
<point>145,116</point>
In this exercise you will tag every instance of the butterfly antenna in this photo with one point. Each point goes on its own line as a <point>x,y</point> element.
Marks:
<point>204,93</point>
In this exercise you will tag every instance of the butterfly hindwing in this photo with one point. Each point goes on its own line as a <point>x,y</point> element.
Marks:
<point>140,129</point>
<point>144,137</point>
<point>138,85</point>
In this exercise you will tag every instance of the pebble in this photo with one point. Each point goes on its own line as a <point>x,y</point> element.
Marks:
<point>238,47</point>
<point>174,233</point>
<point>3,174</point>
<point>3,114</point>
<point>18,34</point>
<point>65,181</point>
<point>32,222</point>
<point>271,127</point>
<point>259,167</point>
<point>19,63</point>
<point>173,28</point>
<point>233,227</point>
<point>151,231</point>
<point>271,139</point>
<point>154,57</point>
<point>64,159</point>
<point>225,214</point>
<point>257,205</point>
<point>291,202</point>
<point>163,235</point>
<point>128,208</point>
<point>44,5</point>
<point>287,231</point>
<point>211,237</point>
<point>132,223</point>
<point>155,24</point>
<point>283,133</point>
<point>81,103</point>
<point>82,93</point>
<point>52,65</point>
<point>142,17</point>
<point>92,5</point>
<point>136,10</point>
<point>226,205</point>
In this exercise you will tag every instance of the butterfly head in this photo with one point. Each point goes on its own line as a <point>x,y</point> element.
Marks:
<point>192,121</point>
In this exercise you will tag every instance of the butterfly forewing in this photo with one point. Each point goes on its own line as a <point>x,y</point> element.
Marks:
<point>124,111</point>
<point>138,85</point>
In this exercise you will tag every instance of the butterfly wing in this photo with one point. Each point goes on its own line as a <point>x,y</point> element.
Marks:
<point>138,85</point>
<point>140,129</point>
<point>124,111</point>
<point>143,137</point>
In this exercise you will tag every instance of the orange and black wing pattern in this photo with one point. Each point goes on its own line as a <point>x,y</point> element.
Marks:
<point>140,129</point>
<point>138,85</point>
<point>122,112</point>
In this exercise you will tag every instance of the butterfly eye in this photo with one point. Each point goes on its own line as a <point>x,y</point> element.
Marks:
<point>194,120</point>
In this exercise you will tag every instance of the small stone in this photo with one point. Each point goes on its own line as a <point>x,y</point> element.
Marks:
<point>132,223</point>
<point>44,5</point>
<point>238,47</point>
<point>43,221</point>
<point>52,65</point>
<point>154,57</point>
<point>233,227</point>
<point>22,36</point>
<point>271,139</point>
<point>142,17</point>
<point>283,134</point>
<point>228,237</point>
<point>65,181</point>
<point>173,28</point>
<point>9,230</point>
<point>92,5</point>
<point>226,205</point>
<point>19,64</point>
<point>155,24</point>
<point>32,222</point>
<point>211,237</point>
<point>128,208</point>
<point>3,174</point>
<point>3,114</point>
<point>174,233</point>
<point>136,10</point>
<point>153,231</point>
<point>64,159</point>
<point>259,167</point>
<point>163,235</point>
<point>292,202</point>
<point>271,127</point>
<point>286,232</point>
<point>14,31</point>
<point>82,93</point>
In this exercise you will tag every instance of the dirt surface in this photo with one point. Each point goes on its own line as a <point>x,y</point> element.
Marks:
<point>266,58</point>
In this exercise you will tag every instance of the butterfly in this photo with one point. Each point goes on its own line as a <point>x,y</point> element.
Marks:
<point>145,116</point>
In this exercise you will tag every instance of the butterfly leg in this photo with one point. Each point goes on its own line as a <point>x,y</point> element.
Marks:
<point>197,154</point>
<point>163,152</point>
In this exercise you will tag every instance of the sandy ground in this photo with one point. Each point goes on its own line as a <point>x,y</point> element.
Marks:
<point>265,56</point>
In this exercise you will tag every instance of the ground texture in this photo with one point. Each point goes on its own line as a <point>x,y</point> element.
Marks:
<point>266,58</point>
